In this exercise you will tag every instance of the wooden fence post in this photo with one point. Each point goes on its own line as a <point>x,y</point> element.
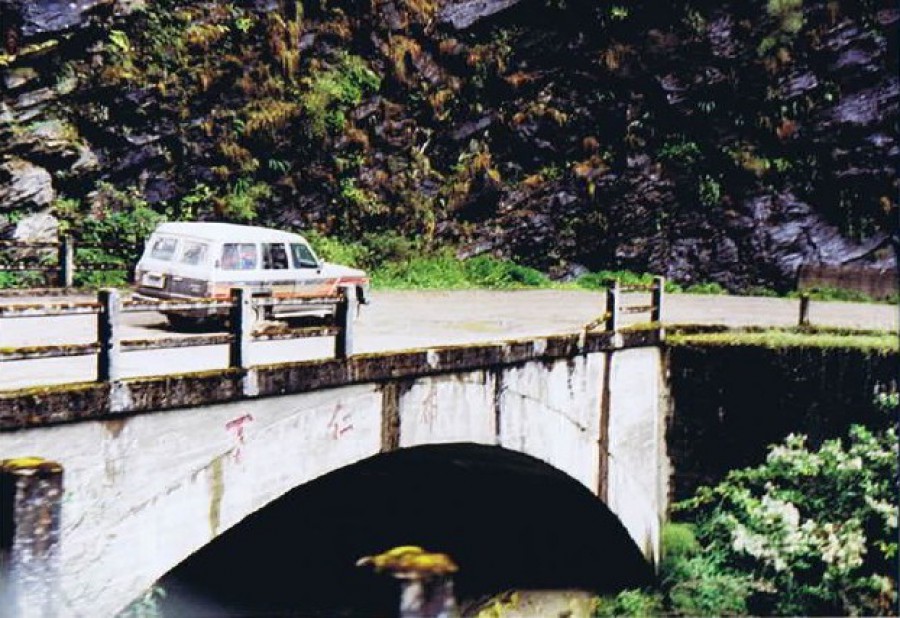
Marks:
<point>804,310</point>
<point>66,262</point>
<point>108,337</point>
<point>344,314</point>
<point>31,492</point>
<point>612,306</point>
<point>656,298</point>
<point>242,320</point>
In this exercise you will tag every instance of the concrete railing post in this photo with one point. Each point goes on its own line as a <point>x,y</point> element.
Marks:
<point>66,262</point>
<point>656,298</point>
<point>804,310</point>
<point>243,317</point>
<point>344,314</point>
<point>612,306</point>
<point>108,365</point>
<point>31,491</point>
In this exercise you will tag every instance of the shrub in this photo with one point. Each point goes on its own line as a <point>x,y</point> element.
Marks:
<point>242,200</point>
<point>678,540</point>
<point>702,586</point>
<point>601,279</point>
<point>629,603</point>
<point>813,531</point>
<point>332,249</point>
<point>710,287</point>
<point>442,270</point>
<point>112,237</point>
<point>332,92</point>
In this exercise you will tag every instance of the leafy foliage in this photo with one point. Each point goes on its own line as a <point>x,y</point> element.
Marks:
<point>444,271</point>
<point>330,93</point>
<point>600,279</point>
<point>112,238</point>
<point>809,532</point>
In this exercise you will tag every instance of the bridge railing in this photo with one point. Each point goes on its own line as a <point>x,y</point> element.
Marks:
<point>56,260</point>
<point>242,309</point>
<point>616,306</point>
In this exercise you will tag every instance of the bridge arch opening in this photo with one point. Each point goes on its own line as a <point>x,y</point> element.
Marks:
<point>510,521</point>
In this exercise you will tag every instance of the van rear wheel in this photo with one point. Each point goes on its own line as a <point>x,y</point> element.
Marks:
<point>183,322</point>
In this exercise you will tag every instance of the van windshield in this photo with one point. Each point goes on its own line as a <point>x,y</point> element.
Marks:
<point>163,248</point>
<point>303,256</point>
<point>238,256</point>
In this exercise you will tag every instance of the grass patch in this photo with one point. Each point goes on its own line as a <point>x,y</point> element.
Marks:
<point>600,280</point>
<point>879,342</point>
<point>841,295</point>
<point>444,271</point>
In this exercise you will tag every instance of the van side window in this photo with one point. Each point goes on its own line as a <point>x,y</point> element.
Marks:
<point>238,256</point>
<point>163,248</point>
<point>194,253</point>
<point>274,256</point>
<point>303,256</point>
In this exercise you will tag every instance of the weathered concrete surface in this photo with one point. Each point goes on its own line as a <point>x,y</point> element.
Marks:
<point>143,492</point>
<point>552,412</point>
<point>637,460</point>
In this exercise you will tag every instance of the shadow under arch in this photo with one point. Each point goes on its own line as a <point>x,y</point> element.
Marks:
<point>508,520</point>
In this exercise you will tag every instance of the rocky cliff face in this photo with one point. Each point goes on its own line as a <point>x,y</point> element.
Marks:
<point>727,142</point>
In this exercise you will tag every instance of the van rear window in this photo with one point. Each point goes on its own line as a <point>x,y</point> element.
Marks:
<point>239,256</point>
<point>163,248</point>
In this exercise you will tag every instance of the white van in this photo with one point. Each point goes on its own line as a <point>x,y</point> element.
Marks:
<point>187,260</point>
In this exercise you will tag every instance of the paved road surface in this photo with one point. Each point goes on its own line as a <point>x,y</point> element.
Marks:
<point>399,320</point>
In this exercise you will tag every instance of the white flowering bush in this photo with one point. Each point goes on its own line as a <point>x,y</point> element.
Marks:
<point>809,532</point>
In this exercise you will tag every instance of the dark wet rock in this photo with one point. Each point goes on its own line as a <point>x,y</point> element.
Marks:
<point>888,16</point>
<point>673,87</point>
<point>720,36</point>
<point>15,78</point>
<point>870,106</point>
<point>392,17</point>
<point>24,186</point>
<point>462,14</point>
<point>41,17</point>
<point>32,104</point>
<point>468,129</point>
<point>797,83</point>
<point>789,233</point>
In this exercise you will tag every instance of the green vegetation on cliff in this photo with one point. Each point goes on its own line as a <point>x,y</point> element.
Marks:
<point>719,145</point>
